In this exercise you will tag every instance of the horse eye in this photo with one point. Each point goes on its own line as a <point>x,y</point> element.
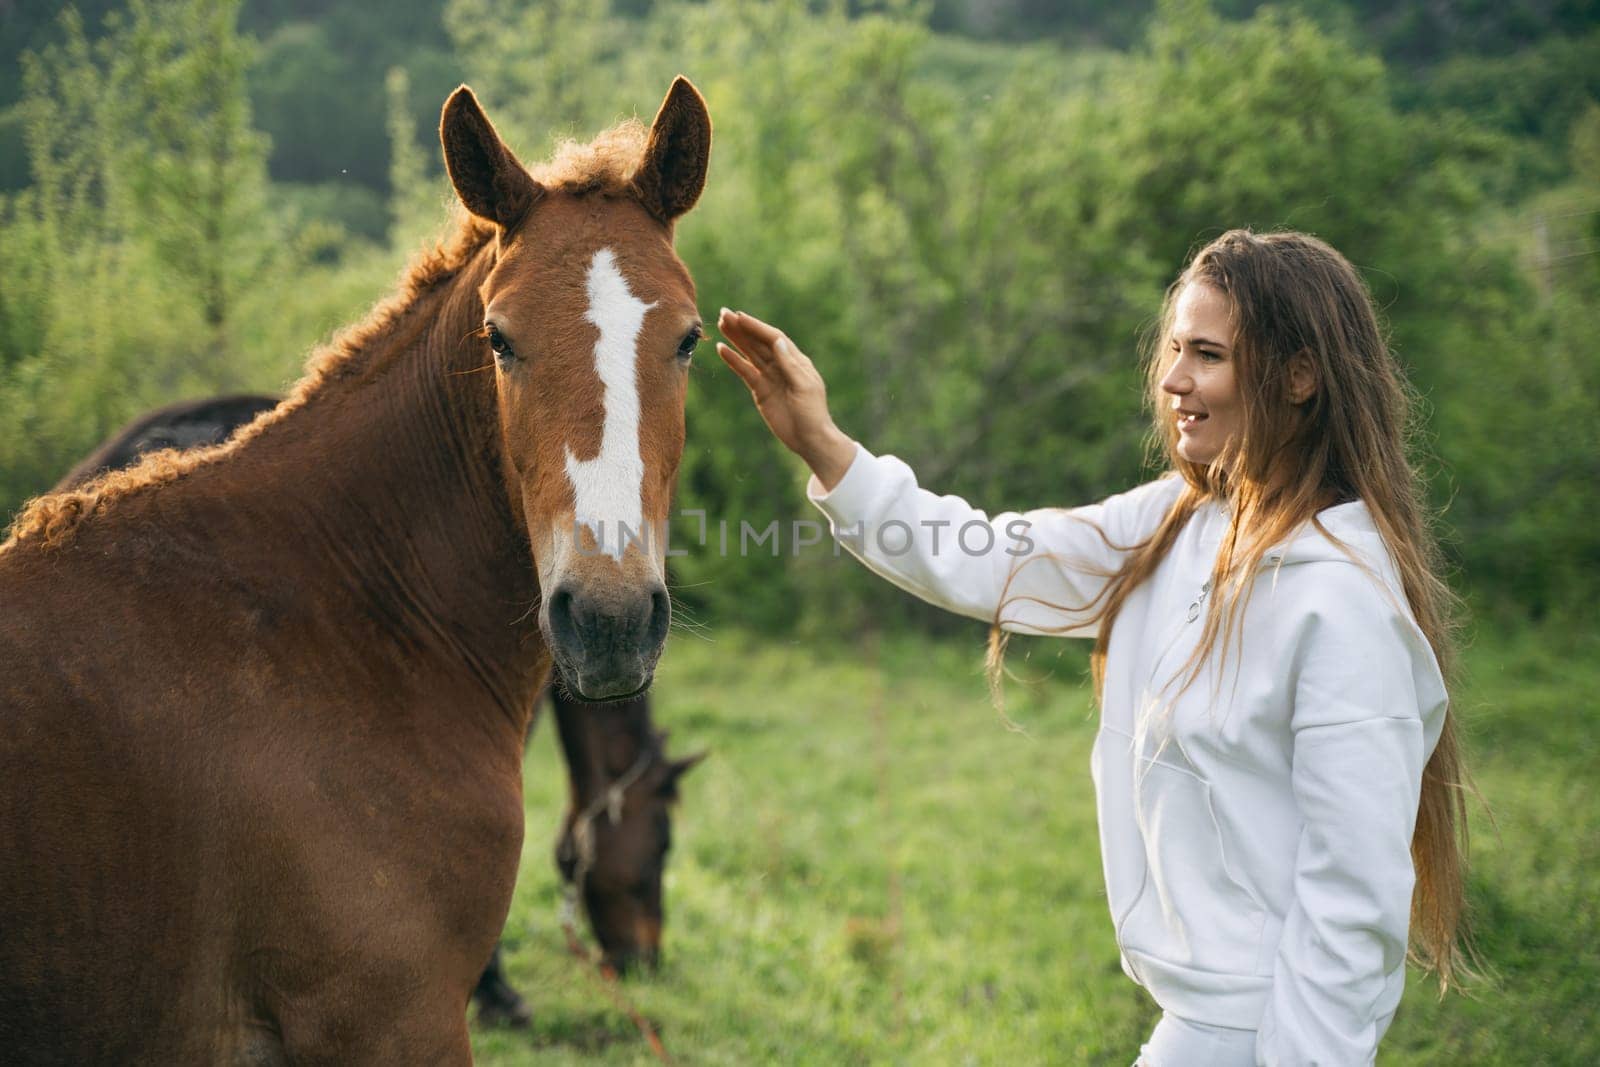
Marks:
<point>499,345</point>
<point>687,346</point>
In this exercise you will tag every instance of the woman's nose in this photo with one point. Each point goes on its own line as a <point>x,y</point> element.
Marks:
<point>1177,381</point>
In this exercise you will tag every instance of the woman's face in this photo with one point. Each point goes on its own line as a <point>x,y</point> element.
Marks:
<point>1200,379</point>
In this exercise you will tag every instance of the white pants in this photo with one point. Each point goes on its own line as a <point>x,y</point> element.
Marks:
<point>1181,1043</point>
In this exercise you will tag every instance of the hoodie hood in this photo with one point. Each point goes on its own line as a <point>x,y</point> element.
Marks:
<point>1359,544</point>
<point>1350,533</point>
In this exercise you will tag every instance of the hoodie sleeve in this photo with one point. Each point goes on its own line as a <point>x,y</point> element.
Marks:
<point>1049,566</point>
<point>1368,702</point>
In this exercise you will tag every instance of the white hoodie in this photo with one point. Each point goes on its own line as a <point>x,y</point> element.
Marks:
<point>1255,827</point>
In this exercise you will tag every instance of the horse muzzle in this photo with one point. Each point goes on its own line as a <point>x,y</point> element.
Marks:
<point>606,646</point>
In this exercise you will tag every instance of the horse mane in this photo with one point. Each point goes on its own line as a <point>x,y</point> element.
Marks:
<point>605,166</point>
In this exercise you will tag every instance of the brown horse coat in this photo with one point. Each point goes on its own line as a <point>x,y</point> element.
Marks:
<point>262,706</point>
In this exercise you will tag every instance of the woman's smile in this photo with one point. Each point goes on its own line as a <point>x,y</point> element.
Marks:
<point>1200,377</point>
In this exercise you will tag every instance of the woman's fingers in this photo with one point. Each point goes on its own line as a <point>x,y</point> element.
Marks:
<point>747,371</point>
<point>738,339</point>
<point>756,328</point>
<point>786,387</point>
<point>765,346</point>
<point>754,338</point>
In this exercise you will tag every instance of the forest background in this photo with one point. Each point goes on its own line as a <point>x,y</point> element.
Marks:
<point>966,211</point>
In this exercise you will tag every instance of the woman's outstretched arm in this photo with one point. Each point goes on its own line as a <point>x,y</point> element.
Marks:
<point>1040,571</point>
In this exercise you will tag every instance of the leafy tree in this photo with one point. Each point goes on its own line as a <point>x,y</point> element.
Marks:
<point>192,169</point>
<point>417,203</point>
<point>975,271</point>
<point>970,238</point>
<point>133,265</point>
<point>542,67</point>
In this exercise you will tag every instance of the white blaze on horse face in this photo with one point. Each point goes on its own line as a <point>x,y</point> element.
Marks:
<point>607,490</point>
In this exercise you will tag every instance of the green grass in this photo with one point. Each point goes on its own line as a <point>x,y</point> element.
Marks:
<point>840,777</point>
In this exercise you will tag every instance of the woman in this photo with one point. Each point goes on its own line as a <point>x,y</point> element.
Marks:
<point>1275,769</point>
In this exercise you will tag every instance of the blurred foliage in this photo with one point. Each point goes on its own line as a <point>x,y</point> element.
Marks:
<point>969,236</point>
<point>318,86</point>
<point>141,227</point>
<point>145,261</point>
<point>1535,95</point>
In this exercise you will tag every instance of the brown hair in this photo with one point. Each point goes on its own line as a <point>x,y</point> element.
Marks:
<point>1293,295</point>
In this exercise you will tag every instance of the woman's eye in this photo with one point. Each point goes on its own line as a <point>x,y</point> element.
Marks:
<point>687,346</point>
<point>499,345</point>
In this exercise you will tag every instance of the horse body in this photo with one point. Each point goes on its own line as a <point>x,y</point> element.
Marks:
<point>262,707</point>
<point>294,773</point>
<point>605,747</point>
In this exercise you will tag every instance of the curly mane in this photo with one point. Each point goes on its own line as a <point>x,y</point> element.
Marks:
<point>605,166</point>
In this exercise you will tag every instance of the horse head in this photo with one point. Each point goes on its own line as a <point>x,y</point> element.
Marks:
<point>589,320</point>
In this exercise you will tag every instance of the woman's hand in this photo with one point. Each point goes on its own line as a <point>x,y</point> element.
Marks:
<point>788,392</point>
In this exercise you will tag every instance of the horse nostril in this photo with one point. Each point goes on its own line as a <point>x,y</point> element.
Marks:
<point>660,617</point>
<point>563,628</point>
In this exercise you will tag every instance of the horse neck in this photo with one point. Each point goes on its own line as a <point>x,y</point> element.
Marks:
<point>395,472</point>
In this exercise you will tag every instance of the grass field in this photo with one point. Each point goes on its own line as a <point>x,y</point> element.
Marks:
<point>871,868</point>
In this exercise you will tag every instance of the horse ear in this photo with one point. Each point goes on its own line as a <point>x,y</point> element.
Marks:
<point>677,769</point>
<point>673,171</point>
<point>487,176</point>
<point>681,767</point>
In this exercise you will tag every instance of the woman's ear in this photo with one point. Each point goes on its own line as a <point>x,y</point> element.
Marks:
<point>1303,378</point>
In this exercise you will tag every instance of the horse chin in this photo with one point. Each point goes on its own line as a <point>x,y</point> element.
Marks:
<point>587,689</point>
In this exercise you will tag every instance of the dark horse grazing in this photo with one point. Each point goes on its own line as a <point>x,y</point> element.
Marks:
<point>249,694</point>
<point>186,424</point>
<point>617,828</point>
<point>615,834</point>
<point>612,751</point>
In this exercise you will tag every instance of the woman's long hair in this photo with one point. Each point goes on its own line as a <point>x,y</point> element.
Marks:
<point>1295,297</point>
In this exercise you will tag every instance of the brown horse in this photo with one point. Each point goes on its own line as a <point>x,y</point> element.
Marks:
<point>615,747</point>
<point>249,694</point>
